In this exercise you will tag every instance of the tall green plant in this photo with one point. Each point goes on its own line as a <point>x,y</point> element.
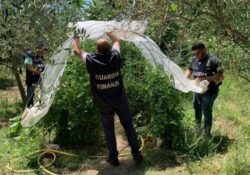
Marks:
<point>155,104</point>
<point>72,113</point>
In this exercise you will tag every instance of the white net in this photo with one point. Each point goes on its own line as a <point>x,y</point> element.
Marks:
<point>50,81</point>
<point>131,31</point>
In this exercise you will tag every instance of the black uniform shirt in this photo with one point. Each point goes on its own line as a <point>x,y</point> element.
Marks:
<point>39,64</point>
<point>207,66</point>
<point>106,79</point>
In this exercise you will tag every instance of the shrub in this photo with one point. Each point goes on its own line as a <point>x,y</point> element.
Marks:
<point>155,104</point>
<point>73,114</point>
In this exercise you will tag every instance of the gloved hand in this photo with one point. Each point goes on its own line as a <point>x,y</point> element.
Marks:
<point>80,33</point>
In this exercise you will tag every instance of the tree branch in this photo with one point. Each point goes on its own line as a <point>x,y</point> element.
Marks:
<point>216,13</point>
<point>219,17</point>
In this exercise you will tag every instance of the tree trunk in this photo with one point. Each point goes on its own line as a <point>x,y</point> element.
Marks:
<point>20,86</point>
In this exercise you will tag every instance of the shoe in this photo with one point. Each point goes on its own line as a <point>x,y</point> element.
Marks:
<point>113,161</point>
<point>138,157</point>
<point>207,132</point>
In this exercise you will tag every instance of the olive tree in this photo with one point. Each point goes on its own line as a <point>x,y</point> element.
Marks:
<point>25,23</point>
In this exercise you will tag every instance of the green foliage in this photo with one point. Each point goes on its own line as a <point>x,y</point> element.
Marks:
<point>238,161</point>
<point>72,114</point>
<point>234,97</point>
<point>8,111</point>
<point>195,146</point>
<point>15,126</point>
<point>234,105</point>
<point>18,150</point>
<point>97,10</point>
<point>73,108</point>
<point>5,83</point>
<point>155,104</point>
<point>223,26</point>
<point>78,3</point>
<point>175,25</point>
<point>171,44</point>
<point>168,39</point>
<point>6,78</point>
<point>27,23</point>
<point>225,19</point>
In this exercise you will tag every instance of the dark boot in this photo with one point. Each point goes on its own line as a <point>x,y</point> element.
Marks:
<point>113,161</point>
<point>138,157</point>
<point>208,131</point>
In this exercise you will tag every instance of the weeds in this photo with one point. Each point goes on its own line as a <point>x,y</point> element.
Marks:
<point>8,111</point>
<point>238,160</point>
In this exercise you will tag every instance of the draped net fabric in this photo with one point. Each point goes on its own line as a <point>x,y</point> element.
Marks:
<point>131,31</point>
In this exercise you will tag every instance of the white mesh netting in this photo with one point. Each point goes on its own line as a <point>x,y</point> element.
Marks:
<point>128,31</point>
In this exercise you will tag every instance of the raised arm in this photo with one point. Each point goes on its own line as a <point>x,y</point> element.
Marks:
<point>115,40</point>
<point>77,51</point>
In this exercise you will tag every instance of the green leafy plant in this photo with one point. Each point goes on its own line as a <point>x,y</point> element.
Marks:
<point>73,115</point>
<point>156,105</point>
<point>9,112</point>
<point>72,112</point>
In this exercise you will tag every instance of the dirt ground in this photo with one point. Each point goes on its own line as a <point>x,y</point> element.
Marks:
<point>127,165</point>
<point>11,94</point>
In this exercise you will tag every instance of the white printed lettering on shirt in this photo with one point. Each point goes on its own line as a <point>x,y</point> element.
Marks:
<point>107,85</point>
<point>107,77</point>
<point>199,74</point>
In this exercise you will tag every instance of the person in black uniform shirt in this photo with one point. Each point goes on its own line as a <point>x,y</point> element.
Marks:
<point>104,68</point>
<point>205,66</point>
<point>35,64</point>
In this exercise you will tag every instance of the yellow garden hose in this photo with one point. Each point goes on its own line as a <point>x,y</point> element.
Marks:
<point>53,153</point>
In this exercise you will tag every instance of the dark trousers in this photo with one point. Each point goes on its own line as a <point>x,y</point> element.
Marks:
<point>107,119</point>
<point>30,96</point>
<point>203,103</point>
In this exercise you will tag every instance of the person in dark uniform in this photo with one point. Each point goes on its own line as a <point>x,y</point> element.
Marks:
<point>205,66</point>
<point>104,68</point>
<point>35,64</point>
